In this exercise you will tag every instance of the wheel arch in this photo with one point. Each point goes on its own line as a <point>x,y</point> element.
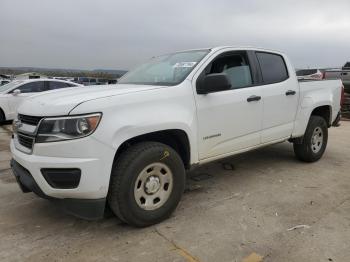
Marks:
<point>324,111</point>
<point>175,138</point>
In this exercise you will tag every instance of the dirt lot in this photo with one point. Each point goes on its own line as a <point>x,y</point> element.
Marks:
<point>231,209</point>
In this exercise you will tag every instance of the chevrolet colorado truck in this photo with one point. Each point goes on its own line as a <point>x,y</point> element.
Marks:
<point>128,147</point>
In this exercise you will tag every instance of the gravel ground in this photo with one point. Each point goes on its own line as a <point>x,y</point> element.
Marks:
<point>238,209</point>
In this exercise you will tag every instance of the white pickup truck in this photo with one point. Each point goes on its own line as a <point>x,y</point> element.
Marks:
<point>128,146</point>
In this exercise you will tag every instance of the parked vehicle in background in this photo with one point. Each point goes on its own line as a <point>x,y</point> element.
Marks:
<point>88,81</point>
<point>345,76</point>
<point>14,93</point>
<point>130,144</point>
<point>4,79</point>
<point>30,75</point>
<point>346,106</point>
<point>310,74</point>
<point>112,81</point>
<point>63,78</point>
<point>4,82</point>
<point>332,73</point>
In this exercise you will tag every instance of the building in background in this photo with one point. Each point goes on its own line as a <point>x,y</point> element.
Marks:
<point>30,75</point>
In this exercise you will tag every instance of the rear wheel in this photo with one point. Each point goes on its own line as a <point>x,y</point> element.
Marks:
<point>147,183</point>
<point>314,141</point>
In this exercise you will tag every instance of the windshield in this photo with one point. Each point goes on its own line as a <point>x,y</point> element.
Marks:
<point>167,70</point>
<point>8,86</point>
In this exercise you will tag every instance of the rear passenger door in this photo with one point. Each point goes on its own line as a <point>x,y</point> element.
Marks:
<point>280,92</point>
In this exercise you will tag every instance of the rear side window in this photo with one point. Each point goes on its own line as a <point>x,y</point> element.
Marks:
<point>32,87</point>
<point>57,85</point>
<point>273,67</point>
<point>347,64</point>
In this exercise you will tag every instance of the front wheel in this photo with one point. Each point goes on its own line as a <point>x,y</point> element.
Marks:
<point>147,183</point>
<point>314,141</point>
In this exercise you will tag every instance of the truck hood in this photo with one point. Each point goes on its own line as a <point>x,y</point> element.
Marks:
<point>62,101</point>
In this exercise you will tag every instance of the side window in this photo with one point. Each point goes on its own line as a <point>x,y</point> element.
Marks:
<point>236,66</point>
<point>273,67</point>
<point>57,85</point>
<point>32,87</point>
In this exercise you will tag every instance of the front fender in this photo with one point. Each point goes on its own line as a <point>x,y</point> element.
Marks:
<point>128,116</point>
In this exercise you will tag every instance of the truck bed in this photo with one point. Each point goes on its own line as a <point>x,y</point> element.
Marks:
<point>322,90</point>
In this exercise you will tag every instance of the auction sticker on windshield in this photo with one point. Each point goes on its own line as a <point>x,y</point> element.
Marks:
<point>185,64</point>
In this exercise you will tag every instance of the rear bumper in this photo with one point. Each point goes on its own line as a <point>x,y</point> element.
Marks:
<point>90,209</point>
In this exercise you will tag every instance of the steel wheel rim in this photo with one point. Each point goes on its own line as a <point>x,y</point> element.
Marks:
<point>317,140</point>
<point>153,186</point>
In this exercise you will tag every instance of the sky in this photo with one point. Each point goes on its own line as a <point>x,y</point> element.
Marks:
<point>113,34</point>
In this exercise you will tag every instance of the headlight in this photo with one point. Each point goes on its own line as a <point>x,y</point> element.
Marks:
<point>67,128</point>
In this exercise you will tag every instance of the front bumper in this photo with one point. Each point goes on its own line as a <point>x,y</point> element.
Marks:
<point>92,158</point>
<point>84,208</point>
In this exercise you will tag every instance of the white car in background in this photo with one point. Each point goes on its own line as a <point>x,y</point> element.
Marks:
<point>13,93</point>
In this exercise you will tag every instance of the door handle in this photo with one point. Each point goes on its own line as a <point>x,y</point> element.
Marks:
<point>253,98</point>
<point>290,93</point>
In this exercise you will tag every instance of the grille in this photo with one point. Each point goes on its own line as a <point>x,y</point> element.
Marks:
<point>30,120</point>
<point>26,141</point>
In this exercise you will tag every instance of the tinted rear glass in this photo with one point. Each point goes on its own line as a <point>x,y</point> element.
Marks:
<point>347,64</point>
<point>273,67</point>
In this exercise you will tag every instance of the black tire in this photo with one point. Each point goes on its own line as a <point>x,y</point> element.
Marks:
<point>2,116</point>
<point>126,171</point>
<point>306,151</point>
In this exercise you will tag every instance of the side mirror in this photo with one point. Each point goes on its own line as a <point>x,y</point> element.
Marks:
<point>16,92</point>
<point>213,83</point>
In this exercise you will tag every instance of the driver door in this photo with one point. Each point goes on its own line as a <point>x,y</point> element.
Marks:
<point>229,120</point>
